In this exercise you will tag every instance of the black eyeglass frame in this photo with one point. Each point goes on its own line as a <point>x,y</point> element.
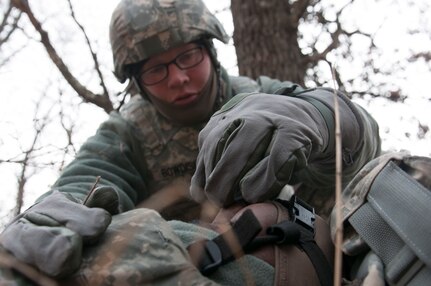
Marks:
<point>165,66</point>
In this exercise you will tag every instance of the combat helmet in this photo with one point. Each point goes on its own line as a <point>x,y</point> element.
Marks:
<point>140,29</point>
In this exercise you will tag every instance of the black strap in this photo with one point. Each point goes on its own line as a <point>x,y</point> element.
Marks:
<point>288,232</point>
<point>302,228</point>
<point>207,255</point>
<point>317,257</point>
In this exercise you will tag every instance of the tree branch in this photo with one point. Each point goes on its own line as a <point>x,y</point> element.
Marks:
<point>102,101</point>
<point>93,54</point>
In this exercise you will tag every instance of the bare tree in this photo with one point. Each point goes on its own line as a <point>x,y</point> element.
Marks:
<point>101,100</point>
<point>27,158</point>
<point>266,38</point>
<point>270,39</point>
<point>299,40</point>
<point>8,26</point>
<point>36,156</point>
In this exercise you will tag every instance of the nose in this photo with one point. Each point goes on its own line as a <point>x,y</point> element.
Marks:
<point>176,76</point>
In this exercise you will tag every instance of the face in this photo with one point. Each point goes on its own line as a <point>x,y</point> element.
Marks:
<point>176,81</point>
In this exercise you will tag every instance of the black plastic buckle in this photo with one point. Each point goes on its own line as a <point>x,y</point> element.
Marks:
<point>213,258</point>
<point>303,214</point>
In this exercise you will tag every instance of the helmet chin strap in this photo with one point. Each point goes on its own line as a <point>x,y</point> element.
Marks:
<point>139,88</point>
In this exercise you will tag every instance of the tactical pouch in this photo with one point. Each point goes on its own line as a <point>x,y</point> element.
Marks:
<point>394,218</point>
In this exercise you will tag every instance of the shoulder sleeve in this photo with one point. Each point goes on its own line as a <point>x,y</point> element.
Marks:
<point>269,85</point>
<point>111,154</point>
<point>242,84</point>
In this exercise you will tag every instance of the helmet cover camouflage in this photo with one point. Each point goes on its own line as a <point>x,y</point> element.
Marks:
<point>140,29</point>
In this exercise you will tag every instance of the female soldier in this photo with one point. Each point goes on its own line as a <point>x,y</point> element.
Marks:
<point>273,134</point>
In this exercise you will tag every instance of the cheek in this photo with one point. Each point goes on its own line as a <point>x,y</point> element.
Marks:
<point>157,90</point>
<point>199,76</point>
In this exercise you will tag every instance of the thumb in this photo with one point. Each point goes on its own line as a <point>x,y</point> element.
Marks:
<point>105,197</point>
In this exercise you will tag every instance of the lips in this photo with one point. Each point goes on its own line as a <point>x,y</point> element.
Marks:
<point>186,99</point>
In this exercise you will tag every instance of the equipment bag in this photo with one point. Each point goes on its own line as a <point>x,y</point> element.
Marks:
<point>387,209</point>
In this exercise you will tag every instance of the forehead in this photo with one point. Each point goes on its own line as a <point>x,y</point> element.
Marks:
<point>169,54</point>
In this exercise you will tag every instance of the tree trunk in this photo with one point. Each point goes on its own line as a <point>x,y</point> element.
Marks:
<point>266,39</point>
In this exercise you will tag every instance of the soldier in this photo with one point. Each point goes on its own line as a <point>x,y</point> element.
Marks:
<point>274,133</point>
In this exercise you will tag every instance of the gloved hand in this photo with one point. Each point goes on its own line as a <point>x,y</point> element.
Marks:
<point>252,146</point>
<point>50,234</point>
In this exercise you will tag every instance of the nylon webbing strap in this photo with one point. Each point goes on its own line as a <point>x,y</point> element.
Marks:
<point>207,255</point>
<point>396,224</point>
<point>288,232</point>
<point>318,259</point>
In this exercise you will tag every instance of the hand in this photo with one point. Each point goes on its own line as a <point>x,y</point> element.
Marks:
<point>51,233</point>
<point>250,149</point>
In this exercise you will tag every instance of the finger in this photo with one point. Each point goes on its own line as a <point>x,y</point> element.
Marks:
<point>240,155</point>
<point>227,137</point>
<point>210,154</point>
<point>88,222</point>
<point>105,197</point>
<point>56,251</point>
<point>270,175</point>
<point>198,180</point>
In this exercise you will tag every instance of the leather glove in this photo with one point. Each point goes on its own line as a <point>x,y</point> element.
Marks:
<point>50,234</point>
<point>251,147</point>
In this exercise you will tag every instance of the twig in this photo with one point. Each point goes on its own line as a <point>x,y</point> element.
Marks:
<point>93,54</point>
<point>102,101</point>
<point>338,203</point>
<point>92,190</point>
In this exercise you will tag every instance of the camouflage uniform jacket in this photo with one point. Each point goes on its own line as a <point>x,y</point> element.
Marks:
<point>143,155</point>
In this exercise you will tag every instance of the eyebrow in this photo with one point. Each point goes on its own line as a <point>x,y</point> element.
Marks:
<point>159,62</point>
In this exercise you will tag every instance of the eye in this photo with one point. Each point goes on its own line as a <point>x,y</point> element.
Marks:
<point>190,58</point>
<point>154,70</point>
<point>154,74</point>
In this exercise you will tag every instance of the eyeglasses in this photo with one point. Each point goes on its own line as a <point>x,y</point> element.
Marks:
<point>185,60</point>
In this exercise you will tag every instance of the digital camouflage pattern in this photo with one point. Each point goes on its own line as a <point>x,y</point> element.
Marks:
<point>140,29</point>
<point>139,248</point>
<point>169,152</point>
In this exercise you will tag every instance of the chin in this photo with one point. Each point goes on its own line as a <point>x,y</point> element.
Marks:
<point>191,118</point>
